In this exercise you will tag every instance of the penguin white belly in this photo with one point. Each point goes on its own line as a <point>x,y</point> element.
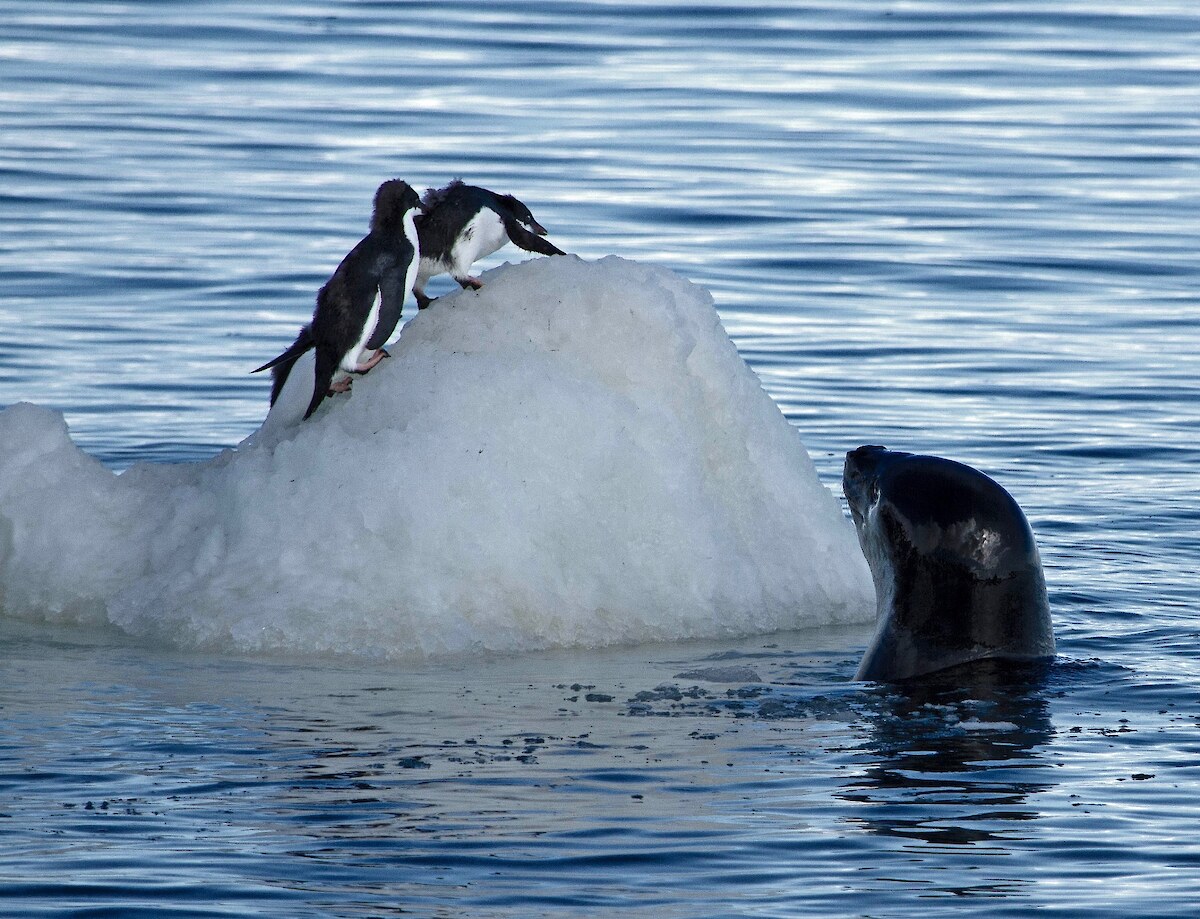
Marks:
<point>482,236</point>
<point>416,264</point>
<point>350,359</point>
<point>431,267</point>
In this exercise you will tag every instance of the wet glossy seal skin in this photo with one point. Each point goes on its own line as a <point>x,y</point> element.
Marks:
<point>957,572</point>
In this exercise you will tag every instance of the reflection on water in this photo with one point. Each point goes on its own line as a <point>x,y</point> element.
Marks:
<point>956,756</point>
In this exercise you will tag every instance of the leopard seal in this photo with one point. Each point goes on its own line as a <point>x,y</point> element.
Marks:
<point>956,568</point>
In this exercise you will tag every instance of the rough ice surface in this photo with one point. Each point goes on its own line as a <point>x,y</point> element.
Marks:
<point>575,455</point>
<point>736,674</point>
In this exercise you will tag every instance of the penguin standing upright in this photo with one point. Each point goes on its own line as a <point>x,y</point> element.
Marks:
<point>359,306</point>
<point>463,223</point>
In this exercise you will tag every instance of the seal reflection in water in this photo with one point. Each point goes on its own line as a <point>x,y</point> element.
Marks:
<point>957,572</point>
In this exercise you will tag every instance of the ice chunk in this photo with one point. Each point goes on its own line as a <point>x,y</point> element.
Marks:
<point>575,455</point>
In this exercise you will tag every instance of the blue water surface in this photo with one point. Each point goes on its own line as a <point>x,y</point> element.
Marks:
<point>964,229</point>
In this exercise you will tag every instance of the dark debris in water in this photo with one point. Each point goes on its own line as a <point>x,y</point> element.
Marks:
<point>669,692</point>
<point>123,806</point>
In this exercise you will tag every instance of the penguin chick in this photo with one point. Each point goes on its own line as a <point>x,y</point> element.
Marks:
<point>359,306</point>
<point>463,223</point>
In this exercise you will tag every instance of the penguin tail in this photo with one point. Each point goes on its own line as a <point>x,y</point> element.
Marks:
<point>303,342</point>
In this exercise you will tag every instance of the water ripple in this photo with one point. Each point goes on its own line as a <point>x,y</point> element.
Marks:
<point>966,230</point>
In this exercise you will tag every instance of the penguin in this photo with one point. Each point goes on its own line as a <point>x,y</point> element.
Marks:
<point>359,306</point>
<point>461,224</point>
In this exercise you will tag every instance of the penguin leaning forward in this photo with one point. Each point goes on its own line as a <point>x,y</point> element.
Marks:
<point>359,306</point>
<point>463,223</point>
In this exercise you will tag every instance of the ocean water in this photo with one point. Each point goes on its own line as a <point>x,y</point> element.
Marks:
<point>962,230</point>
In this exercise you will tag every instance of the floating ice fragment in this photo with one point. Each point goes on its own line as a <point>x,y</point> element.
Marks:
<point>575,455</point>
<point>974,724</point>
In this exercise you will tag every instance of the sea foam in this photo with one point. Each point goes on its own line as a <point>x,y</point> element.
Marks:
<point>574,455</point>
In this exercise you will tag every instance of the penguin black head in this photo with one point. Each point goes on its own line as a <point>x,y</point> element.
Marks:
<point>520,213</point>
<point>393,200</point>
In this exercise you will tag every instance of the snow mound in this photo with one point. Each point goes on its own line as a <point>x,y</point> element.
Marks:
<point>574,455</point>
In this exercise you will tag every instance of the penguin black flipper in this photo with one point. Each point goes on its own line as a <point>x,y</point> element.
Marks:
<point>388,318</point>
<point>530,242</point>
<point>393,287</point>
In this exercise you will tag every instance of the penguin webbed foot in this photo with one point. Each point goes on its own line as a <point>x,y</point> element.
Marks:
<point>422,300</point>
<point>470,283</point>
<point>338,386</point>
<point>375,358</point>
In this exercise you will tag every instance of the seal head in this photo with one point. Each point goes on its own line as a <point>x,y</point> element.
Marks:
<point>957,573</point>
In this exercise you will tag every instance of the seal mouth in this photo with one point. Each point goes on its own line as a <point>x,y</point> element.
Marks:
<point>856,502</point>
<point>860,480</point>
